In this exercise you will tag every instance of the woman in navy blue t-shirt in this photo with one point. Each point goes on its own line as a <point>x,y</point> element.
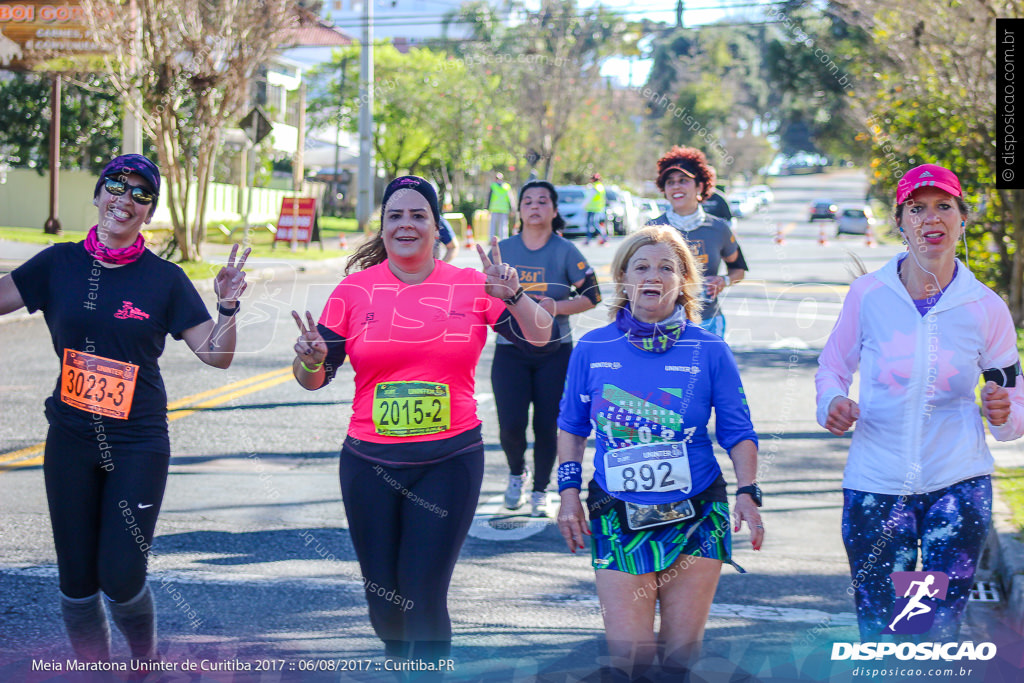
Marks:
<point>109,304</point>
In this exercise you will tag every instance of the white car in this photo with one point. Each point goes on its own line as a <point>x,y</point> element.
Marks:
<point>742,204</point>
<point>762,194</point>
<point>647,210</point>
<point>854,220</point>
<point>570,208</point>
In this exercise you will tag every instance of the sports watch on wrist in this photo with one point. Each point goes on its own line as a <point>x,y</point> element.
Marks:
<point>512,300</point>
<point>753,490</point>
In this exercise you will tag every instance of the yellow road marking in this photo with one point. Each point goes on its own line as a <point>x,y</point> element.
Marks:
<point>233,395</point>
<point>14,455</point>
<point>228,387</point>
<point>242,387</point>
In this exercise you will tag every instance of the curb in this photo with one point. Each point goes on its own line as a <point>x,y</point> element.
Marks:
<point>1008,562</point>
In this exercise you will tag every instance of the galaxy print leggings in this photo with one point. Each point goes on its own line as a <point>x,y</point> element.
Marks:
<point>882,534</point>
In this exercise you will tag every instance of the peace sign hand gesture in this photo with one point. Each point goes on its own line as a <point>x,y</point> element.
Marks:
<point>502,279</point>
<point>310,347</point>
<point>230,281</point>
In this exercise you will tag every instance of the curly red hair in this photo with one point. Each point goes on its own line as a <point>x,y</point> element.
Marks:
<point>691,159</point>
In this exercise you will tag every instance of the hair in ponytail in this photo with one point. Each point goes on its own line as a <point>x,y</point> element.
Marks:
<point>371,253</point>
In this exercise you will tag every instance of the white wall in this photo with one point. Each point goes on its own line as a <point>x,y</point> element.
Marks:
<point>25,201</point>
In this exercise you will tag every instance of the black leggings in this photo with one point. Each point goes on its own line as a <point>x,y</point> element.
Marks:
<point>408,525</point>
<point>103,502</point>
<point>519,379</point>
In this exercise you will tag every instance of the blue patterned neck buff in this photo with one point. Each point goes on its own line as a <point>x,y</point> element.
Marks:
<point>656,337</point>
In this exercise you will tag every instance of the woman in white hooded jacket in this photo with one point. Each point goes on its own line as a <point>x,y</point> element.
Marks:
<point>922,330</point>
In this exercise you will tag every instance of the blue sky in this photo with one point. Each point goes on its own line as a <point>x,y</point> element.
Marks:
<point>421,18</point>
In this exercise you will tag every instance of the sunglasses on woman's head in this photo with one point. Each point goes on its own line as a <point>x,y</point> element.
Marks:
<point>140,195</point>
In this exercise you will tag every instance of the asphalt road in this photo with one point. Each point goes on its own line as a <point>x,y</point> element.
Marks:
<point>253,563</point>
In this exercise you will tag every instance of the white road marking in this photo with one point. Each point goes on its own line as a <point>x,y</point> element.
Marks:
<point>494,522</point>
<point>190,577</point>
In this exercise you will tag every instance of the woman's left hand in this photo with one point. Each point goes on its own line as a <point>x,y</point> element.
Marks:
<point>995,403</point>
<point>230,281</point>
<point>714,284</point>
<point>502,279</point>
<point>746,511</point>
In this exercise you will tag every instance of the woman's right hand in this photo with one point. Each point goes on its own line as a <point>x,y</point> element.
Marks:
<point>310,346</point>
<point>571,520</point>
<point>842,413</point>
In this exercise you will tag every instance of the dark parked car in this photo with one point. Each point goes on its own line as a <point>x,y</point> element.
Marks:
<point>824,209</point>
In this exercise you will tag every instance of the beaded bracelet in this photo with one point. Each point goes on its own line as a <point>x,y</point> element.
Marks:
<point>570,476</point>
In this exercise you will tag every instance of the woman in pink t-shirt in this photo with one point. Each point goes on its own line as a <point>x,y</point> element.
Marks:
<point>411,466</point>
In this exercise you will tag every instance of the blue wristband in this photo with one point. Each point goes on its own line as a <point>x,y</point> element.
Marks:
<point>570,476</point>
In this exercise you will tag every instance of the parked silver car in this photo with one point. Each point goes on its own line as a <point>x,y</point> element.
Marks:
<point>854,220</point>
<point>570,208</point>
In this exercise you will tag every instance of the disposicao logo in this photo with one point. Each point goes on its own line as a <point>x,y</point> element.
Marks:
<point>921,593</point>
<point>917,596</point>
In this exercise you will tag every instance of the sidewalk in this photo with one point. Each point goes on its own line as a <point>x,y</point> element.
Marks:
<point>1005,551</point>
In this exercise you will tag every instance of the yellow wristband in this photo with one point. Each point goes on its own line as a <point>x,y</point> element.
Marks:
<point>309,369</point>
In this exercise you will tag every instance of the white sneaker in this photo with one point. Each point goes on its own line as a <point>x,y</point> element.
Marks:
<point>514,491</point>
<point>539,504</point>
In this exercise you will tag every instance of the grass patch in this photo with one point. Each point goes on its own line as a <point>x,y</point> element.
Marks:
<point>1010,481</point>
<point>37,236</point>
<point>262,242</point>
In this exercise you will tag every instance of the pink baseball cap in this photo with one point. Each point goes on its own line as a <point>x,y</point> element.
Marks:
<point>927,175</point>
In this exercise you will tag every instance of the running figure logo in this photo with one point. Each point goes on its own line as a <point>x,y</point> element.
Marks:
<point>914,612</point>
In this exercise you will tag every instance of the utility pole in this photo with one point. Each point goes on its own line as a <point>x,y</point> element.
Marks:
<point>364,204</point>
<point>131,129</point>
<point>52,225</point>
<point>337,138</point>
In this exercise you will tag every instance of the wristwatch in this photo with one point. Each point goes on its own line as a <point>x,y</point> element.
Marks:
<point>512,300</point>
<point>753,490</point>
<point>728,280</point>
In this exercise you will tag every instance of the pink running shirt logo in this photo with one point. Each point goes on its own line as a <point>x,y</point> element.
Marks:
<point>129,311</point>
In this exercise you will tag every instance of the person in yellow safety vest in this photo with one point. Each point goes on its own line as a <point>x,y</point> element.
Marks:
<point>597,199</point>
<point>499,203</point>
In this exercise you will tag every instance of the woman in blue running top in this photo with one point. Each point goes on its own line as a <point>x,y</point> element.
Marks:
<point>109,304</point>
<point>659,513</point>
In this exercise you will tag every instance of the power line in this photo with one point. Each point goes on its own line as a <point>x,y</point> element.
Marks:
<point>390,19</point>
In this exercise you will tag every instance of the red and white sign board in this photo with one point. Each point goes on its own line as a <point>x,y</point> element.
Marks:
<point>297,216</point>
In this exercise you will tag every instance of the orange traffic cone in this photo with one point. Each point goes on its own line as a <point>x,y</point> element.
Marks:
<point>822,240</point>
<point>470,243</point>
<point>869,233</point>
<point>780,236</point>
<point>343,243</point>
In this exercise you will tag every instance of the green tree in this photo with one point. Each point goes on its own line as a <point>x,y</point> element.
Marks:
<point>927,98</point>
<point>708,90</point>
<point>90,117</point>
<point>187,78</point>
<point>547,65</point>
<point>434,113</point>
<point>812,64</point>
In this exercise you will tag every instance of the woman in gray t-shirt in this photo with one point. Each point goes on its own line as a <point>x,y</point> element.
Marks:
<point>552,271</point>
